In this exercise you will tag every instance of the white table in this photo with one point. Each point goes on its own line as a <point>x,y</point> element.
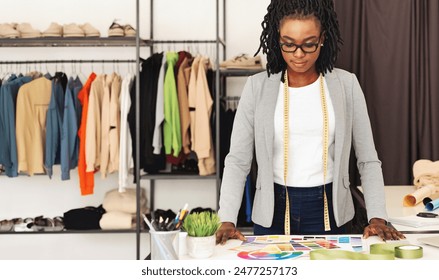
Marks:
<point>224,252</point>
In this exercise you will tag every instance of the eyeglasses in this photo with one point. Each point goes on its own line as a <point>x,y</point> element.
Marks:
<point>305,47</point>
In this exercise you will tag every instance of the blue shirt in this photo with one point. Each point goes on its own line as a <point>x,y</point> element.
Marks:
<point>54,118</point>
<point>8,144</point>
<point>70,126</point>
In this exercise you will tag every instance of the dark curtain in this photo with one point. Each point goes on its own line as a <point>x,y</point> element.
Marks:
<point>392,46</point>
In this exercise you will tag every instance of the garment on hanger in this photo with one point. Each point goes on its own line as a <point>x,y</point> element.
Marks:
<point>86,179</point>
<point>55,116</point>
<point>8,146</point>
<point>149,162</point>
<point>115,124</point>
<point>157,141</point>
<point>171,127</point>
<point>182,90</point>
<point>94,124</point>
<point>110,125</point>
<point>125,151</point>
<point>70,126</point>
<point>202,143</point>
<point>32,104</point>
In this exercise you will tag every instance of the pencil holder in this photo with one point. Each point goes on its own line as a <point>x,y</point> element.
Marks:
<point>164,245</point>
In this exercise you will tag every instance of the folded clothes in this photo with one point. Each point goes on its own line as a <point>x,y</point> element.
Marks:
<point>117,220</point>
<point>124,201</point>
<point>83,218</point>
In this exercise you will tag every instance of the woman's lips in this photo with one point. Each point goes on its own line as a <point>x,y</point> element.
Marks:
<point>299,63</point>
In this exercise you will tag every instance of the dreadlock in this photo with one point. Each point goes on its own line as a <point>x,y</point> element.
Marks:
<point>323,10</point>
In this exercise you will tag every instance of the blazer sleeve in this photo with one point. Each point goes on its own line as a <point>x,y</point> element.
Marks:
<point>368,164</point>
<point>238,161</point>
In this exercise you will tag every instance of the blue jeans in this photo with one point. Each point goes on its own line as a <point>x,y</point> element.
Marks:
<point>306,212</point>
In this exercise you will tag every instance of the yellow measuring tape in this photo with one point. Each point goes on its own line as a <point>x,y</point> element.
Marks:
<point>377,252</point>
<point>325,152</point>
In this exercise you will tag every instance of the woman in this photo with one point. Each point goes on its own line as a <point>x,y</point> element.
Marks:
<point>300,119</point>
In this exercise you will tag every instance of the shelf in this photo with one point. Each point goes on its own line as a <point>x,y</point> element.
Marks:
<point>71,42</point>
<point>240,72</point>
<point>170,176</point>
<point>151,42</point>
<point>74,231</point>
<point>93,42</point>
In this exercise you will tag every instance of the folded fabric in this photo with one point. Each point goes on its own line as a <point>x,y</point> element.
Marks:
<point>124,201</point>
<point>117,220</point>
<point>83,218</point>
<point>426,172</point>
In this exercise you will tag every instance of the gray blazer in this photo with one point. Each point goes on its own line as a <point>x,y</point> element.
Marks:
<point>253,130</point>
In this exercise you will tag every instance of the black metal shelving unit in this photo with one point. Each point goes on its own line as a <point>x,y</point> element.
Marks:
<point>219,43</point>
<point>134,42</point>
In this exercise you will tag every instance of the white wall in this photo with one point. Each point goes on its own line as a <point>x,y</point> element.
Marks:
<point>38,195</point>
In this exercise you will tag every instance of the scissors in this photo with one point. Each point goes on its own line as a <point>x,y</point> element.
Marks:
<point>427,215</point>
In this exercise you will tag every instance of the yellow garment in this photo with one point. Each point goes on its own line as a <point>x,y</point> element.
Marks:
<point>32,104</point>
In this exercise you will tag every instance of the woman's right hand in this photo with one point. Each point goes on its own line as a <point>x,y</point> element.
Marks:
<point>228,231</point>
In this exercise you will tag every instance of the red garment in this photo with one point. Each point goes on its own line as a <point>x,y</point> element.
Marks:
<point>86,179</point>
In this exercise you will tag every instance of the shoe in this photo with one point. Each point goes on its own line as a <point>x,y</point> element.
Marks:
<point>129,31</point>
<point>23,225</point>
<point>8,31</point>
<point>89,30</point>
<point>72,30</point>
<point>116,30</point>
<point>6,225</point>
<point>243,61</point>
<point>27,31</point>
<point>58,223</point>
<point>54,30</point>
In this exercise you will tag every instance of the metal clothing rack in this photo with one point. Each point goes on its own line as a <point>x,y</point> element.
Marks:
<point>218,42</point>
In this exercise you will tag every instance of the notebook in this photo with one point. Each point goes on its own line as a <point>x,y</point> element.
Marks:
<point>431,240</point>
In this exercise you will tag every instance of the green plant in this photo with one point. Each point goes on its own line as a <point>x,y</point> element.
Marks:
<point>201,224</point>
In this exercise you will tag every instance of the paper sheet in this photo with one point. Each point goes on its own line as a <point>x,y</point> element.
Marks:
<point>415,221</point>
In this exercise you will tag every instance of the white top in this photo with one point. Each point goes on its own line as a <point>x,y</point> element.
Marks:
<point>125,152</point>
<point>305,157</point>
<point>159,111</point>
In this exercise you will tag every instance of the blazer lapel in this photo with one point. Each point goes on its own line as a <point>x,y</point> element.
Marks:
<point>337,95</point>
<point>270,95</point>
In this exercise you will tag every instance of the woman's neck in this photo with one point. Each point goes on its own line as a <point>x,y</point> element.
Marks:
<point>301,79</point>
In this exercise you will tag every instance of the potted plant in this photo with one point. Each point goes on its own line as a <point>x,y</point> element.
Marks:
<point>201,228</point>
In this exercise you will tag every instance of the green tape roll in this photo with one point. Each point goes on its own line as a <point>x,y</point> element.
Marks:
<point>408,252</point>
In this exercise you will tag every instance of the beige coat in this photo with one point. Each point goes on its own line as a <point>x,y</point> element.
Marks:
<point>201,101</point>
<point>182,89</point>
<point>32,104</point>
<point>93,127</point>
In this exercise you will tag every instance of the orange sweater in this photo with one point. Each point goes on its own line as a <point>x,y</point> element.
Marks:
<point>86,179</point>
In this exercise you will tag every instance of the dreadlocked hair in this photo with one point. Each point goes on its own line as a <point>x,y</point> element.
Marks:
<point>323,10</point>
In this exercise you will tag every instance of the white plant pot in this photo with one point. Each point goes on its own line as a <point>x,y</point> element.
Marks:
<point>200,247</point>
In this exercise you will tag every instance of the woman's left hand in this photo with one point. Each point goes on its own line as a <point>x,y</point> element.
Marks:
<point>379,227</point>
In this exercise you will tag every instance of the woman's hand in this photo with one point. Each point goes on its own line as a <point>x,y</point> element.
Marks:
<point>379,227</point>
<point>226,232</point>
